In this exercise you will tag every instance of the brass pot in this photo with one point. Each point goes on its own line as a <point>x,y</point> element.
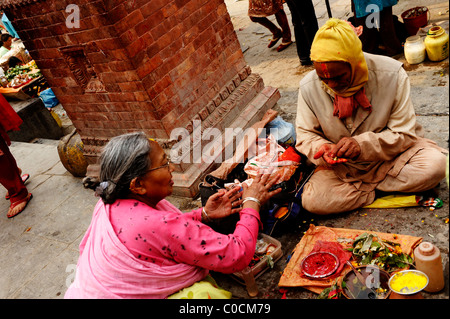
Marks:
<point>70,151</point>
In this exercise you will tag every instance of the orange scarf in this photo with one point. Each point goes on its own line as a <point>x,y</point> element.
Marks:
<point>344,106</point>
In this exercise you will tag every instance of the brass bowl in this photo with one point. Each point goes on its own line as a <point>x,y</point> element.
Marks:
<point>405,290</point>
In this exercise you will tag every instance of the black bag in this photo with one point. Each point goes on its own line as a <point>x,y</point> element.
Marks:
<point>211,185</point>
<point>270,213</point>
<point>282,213</point>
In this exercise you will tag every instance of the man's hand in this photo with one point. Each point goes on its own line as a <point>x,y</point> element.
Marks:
<point>325,151</point>
<point>347,147</point>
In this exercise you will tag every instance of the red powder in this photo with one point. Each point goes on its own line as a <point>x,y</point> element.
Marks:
<point>319,264</point>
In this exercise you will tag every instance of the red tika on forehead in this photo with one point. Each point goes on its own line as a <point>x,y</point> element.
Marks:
<point>324,67</point>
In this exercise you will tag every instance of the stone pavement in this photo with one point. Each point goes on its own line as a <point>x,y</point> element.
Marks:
<point>38,245</point>
<point>39,248</point>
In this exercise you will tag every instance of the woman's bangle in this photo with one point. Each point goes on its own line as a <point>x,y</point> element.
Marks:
<point>206,217</point>
<point>253,199</point>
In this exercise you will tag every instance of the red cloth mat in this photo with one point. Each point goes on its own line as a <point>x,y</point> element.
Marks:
<point>292,274</point>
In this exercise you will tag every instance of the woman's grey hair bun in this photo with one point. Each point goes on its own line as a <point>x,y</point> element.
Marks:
<point>123,158</point>
<point>90,182</point>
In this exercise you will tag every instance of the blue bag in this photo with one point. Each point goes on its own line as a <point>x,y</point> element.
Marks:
<point>48,97</point>
<point>284,132</point>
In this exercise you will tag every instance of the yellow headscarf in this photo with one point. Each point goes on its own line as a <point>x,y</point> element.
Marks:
<point>337,41</point>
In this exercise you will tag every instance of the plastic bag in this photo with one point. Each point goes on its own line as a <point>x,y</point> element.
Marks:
<point>290,154</point>
<point>395,201</point>
<point>266,161</point>
<point>283,131</point>
<point>48,97</point>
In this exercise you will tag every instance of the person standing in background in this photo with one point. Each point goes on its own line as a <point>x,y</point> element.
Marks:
<point>10,173</point>
<point>305,27</point>
<point>383,32</point>
<point>259,10</point>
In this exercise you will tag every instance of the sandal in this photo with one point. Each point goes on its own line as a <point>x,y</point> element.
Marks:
<point>26,200</point>
<point>274,41</point>
<point>25,177</point>
<point>283,46</point>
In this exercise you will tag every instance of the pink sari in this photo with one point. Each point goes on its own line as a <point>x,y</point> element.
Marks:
<point>106,269</point>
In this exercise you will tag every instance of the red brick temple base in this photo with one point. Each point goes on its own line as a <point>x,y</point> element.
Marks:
<point>120,66</point>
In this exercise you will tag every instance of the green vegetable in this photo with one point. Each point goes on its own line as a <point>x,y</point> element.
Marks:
<point>332,292</point>
<point>369,249</point>
<point>269,261</point>
<point>13,72</point>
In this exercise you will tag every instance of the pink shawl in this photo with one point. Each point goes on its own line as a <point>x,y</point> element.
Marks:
<point>106,269</point>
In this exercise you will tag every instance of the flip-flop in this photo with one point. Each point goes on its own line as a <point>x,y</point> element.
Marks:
<point>283,46</point>
<point>273,41</point>
<point>13,205</point>
<point>25,177</point>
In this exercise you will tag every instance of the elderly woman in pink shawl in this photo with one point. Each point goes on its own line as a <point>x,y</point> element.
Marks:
<point>141,246</point>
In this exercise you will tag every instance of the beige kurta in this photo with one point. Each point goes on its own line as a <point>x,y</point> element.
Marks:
<point>389,136</point>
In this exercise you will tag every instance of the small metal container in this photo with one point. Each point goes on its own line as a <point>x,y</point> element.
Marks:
<point>404,291</point>
<point>329,273</point>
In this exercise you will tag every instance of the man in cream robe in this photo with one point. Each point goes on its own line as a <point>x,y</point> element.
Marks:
<point>394,156</point>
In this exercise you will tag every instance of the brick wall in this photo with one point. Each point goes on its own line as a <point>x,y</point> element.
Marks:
<point>160,61</point>
<point>137,64</point>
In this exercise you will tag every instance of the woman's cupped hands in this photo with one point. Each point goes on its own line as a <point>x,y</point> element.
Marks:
<point>226,202</point>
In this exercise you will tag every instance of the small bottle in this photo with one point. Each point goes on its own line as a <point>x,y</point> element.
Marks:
<point>415,51</point>
<point>436,44</point>
<point>250,283</point>
<point>428,260</point>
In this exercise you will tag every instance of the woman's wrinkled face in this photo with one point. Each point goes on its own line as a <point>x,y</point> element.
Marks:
<point>158,179</point>
<point>336,75</point>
